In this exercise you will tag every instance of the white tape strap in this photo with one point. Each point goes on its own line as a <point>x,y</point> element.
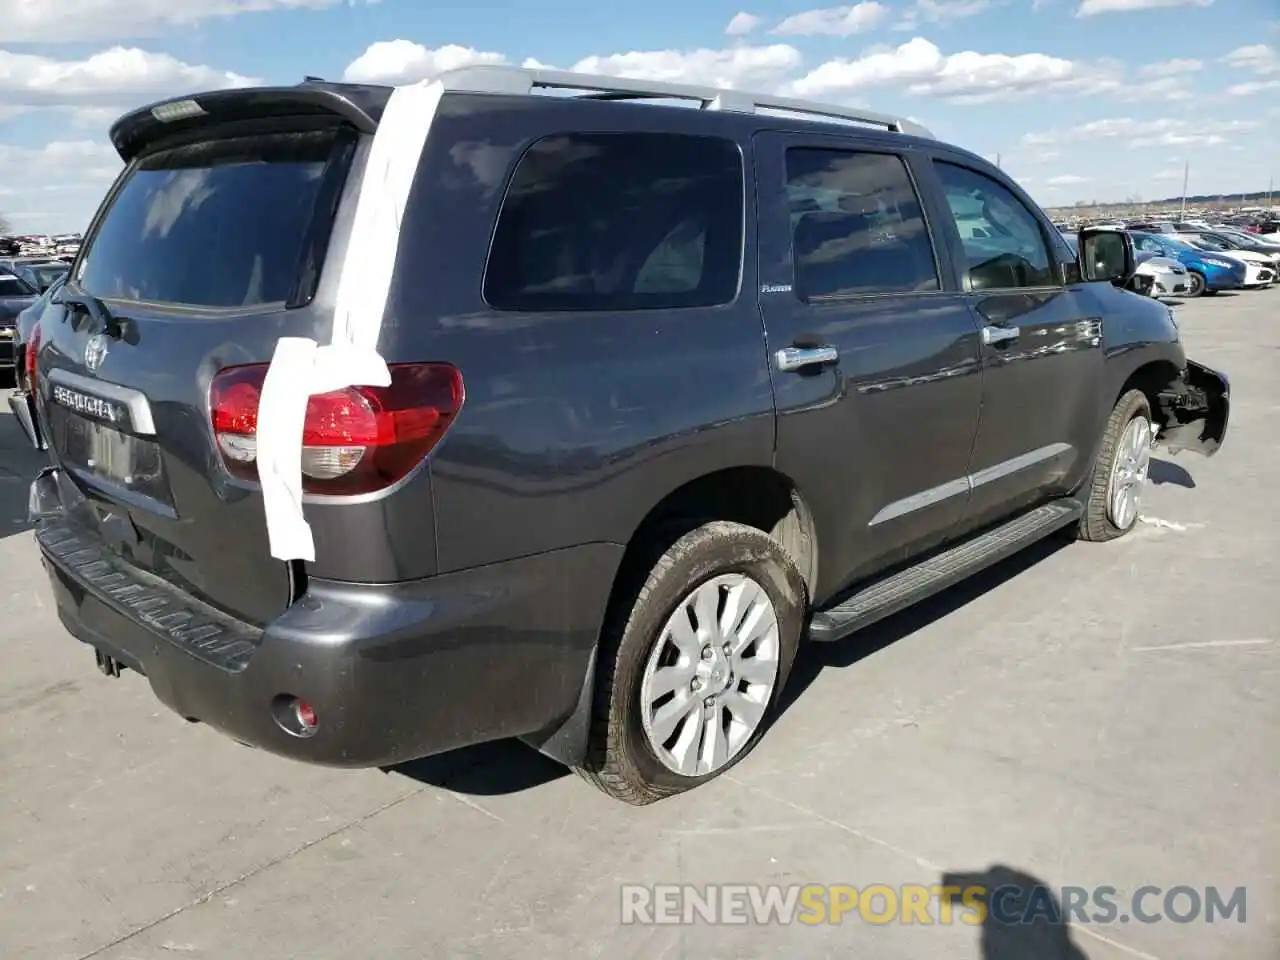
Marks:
<point>300,367</point>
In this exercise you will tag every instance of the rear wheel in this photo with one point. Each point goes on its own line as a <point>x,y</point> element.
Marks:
<point>1195,284</point>
<point>692,672</point>
<point>1115,490</point>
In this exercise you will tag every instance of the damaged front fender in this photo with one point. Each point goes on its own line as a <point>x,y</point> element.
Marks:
<point>1194,409</point>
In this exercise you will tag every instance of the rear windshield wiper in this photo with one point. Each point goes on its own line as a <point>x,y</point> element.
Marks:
<point>72,294</point>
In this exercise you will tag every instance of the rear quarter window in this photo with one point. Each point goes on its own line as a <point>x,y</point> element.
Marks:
<point>218,224</point>
<point>609,222</point>
<point>14,287</point>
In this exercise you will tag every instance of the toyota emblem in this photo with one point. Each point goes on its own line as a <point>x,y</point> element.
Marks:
<point>95,351</point>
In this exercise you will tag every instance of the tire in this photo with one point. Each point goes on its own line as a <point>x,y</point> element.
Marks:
<point>622,759</point>
<point>1195,284</point>
<point>1100,521</point>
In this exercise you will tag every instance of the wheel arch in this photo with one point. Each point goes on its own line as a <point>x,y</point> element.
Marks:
<point>1152,378</point>
<point>755,496</point>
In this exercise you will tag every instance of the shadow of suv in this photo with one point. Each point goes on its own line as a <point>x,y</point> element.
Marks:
<point>388,421</point>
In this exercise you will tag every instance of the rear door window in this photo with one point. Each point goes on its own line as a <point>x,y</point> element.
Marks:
<point>620,222</point>
<point>857,225</point>
<point>219,224</point>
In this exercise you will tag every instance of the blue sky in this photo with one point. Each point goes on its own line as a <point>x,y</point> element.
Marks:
<point>1082,99</point>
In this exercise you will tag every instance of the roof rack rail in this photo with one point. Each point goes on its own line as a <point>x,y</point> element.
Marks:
<point>493,78</point>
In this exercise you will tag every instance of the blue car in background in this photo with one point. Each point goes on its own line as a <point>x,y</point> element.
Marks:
<point>1206,273</point>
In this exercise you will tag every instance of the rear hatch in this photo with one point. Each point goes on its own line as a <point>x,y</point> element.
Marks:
<point>207,250</point>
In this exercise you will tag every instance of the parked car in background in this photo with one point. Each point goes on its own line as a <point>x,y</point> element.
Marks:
<point>1167,277</point>
<point>15,296</point>
<point>1157,226</point>
<point>1206,272</point>
<point>1249,241</point>
<point>1241,243</point>
<point>42,275</point>
<point>1260,271</point>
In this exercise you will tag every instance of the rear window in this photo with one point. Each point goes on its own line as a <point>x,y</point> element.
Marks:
<point>14,287</point>
<point>620,222</point>
<point>218,224</point>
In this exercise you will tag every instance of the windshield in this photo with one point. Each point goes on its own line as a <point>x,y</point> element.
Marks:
<point>47,274</point>
<point>14,287</point>
<point>216,224</point>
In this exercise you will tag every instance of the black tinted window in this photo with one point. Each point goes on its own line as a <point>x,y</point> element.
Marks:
<point>1002,239</point>
<point>215,224</point>
<point>14,287</point>
<point>619,222</point>
<point>856,225</point>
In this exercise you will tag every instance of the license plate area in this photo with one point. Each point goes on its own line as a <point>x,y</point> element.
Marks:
<point>101,452</point>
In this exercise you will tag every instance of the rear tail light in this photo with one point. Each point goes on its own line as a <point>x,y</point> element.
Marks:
<point>29,361</point>
<point>355,440</point>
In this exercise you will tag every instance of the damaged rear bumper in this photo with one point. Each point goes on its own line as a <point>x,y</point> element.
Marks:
<point>1195,409</point>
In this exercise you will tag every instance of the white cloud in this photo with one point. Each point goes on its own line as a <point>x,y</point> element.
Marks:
<point>737,68</point>
<point>1252,88</point>
<point>1092,8</point>
<point>123,76</point>
<point>834,21</point>
<point>940,11</point>
<point>920,68</point>
<point>1169,132</point>
<point>1067,180</point>
<point>60,21</point>
<point>71,176</point>
<point>1258,58</point>
<point>1162,88</point>
<point>1171,68</point>
<point>742,24</point>
<point>403,61</point>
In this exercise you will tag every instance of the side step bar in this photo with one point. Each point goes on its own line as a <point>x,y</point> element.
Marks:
<point>896,592</point>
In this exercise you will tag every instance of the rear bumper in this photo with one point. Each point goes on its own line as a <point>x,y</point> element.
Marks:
<point>24,412</point>
<point>1196,409</point>
<point>394,672</point>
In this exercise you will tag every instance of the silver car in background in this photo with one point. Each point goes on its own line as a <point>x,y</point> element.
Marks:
<point>1168,276</point>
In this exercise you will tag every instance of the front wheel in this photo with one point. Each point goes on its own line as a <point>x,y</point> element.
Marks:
<point>1195,284</point>
<point>690,677</point>
<point>1114,501</point>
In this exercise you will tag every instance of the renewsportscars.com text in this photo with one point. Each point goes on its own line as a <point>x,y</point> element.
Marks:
<point>975,904</point>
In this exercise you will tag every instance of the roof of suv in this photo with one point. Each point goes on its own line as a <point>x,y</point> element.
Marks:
<point>363,104</point>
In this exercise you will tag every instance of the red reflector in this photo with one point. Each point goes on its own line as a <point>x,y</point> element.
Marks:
<point>306,715</point>
<point>355,440</point>
<point>29,359</point>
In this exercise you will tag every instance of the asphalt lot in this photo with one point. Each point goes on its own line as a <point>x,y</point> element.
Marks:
<point>1083,715</point>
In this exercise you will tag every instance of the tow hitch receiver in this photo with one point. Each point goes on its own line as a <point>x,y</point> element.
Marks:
<point>108,664</point>
<point>1195,409</point>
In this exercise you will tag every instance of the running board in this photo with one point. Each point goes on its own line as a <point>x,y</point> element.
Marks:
<point>887,596</point>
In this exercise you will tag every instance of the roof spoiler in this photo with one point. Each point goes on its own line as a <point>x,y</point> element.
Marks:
<point>357,104</point>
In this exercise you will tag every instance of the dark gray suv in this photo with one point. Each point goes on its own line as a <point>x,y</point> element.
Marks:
<point>384,422</point>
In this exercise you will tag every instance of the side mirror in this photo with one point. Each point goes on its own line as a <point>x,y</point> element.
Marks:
<point>1106,255</point>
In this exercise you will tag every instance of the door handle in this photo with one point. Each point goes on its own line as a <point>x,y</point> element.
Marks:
<point>790,359</point>
<point>992,335</point>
